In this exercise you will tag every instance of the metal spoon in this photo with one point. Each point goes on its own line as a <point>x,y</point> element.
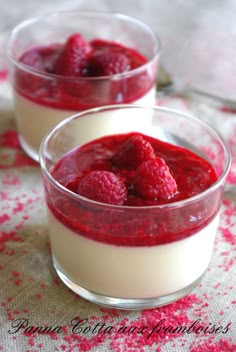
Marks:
<point>168,86</point>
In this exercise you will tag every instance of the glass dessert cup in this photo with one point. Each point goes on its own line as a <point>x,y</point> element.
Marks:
<point>132,257</point>
<point>43,99</point>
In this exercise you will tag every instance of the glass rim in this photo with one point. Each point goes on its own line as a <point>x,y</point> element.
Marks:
<point>175,204</point>
<point>120,16</point>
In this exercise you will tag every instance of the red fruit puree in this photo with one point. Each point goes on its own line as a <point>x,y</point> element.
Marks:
<point>75,75</point>
<point>99,165</point>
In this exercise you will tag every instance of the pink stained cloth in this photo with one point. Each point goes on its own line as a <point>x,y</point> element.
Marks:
<point>31,293</point>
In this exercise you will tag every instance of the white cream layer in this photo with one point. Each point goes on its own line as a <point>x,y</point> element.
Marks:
<point>34,120</point>
<point>131,272</point>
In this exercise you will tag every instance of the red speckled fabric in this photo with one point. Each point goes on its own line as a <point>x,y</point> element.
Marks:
<point>32,296</point>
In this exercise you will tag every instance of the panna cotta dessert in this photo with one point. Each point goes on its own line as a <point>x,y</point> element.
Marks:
<point>132,217</point>
<point>58,77</point>
<point>131,170</point>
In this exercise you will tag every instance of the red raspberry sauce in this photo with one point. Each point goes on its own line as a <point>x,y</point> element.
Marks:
<point>80,93</point>
<point>153,226</point>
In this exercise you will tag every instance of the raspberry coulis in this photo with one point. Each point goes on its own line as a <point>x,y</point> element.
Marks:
<point>155,225</point>
<point>43,84</point>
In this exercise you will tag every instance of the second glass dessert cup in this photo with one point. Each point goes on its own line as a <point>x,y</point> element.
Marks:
<point>42,98</point>
<point>132,257</point>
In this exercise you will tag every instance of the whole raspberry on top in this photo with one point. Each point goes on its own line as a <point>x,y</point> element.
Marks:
<point>154,181</point>
<point>74,57</point>
<point>108,62</point>
<point>104,187</point>
<point>132,153</point>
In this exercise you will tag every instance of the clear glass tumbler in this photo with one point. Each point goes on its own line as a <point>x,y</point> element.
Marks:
<point>132,257</point>
<point>43,99</point>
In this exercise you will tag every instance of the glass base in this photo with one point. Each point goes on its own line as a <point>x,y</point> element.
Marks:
<point>32,153</point>
<point>124,303</point>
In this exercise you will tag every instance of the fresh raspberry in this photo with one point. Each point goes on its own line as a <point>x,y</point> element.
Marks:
<point>74,57</point>
<point>133,152</point>
<point>108,62</point>
<point>103,186</point>
<point>154,181</point>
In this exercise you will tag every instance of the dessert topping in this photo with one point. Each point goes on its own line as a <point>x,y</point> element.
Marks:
<point>33,59</point>
<point>108,62</point>
<point>133,152</point>
<point>172,174</point>
<point>74,62</point>
<point>153,180</point>
<point>73,58</point>
<point>103,186</point>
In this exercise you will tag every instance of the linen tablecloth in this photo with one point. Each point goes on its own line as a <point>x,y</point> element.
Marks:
<point>39,313</point>
<point>32,296</point>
